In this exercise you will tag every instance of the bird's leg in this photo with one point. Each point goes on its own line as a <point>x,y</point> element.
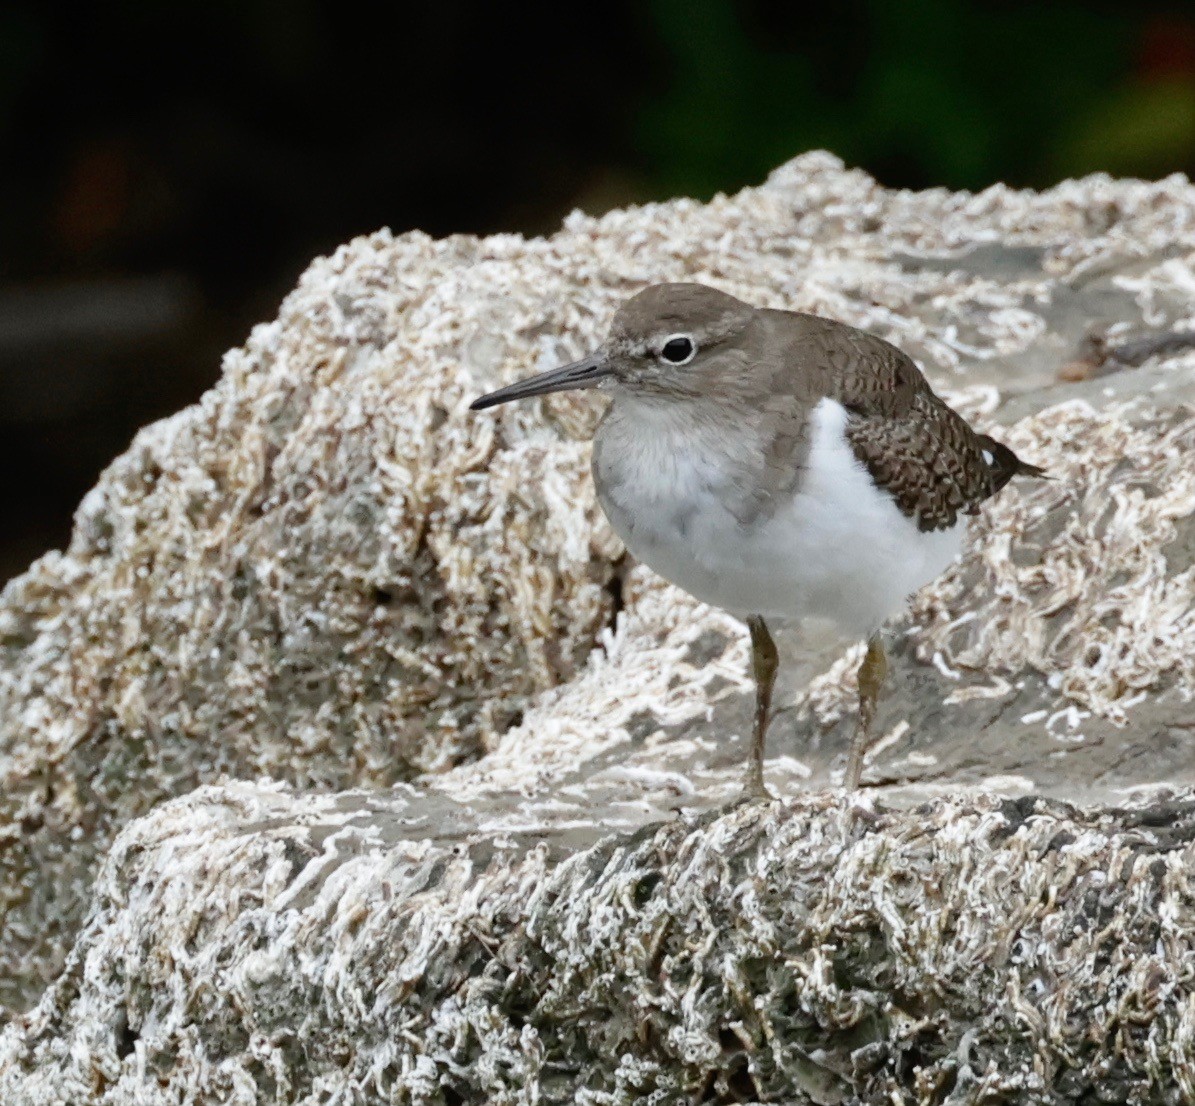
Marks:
<point>764,662</point>
<point>872,673</point>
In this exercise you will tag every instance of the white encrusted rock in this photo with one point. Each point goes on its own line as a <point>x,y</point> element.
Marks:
<point>328,572</point>
<point>250,945</point>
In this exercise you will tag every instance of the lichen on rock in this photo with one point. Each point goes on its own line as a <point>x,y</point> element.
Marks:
<point>471,882</point>
<point>252,945</point>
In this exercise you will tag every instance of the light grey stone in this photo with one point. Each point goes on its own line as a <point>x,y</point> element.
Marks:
<point>485,721</point>
<point>250,945</point>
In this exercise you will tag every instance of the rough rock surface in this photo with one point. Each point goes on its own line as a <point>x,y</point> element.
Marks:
<point>249,945</point>
<point>327,572</point>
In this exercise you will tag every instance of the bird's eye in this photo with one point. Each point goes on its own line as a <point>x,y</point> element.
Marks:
<point>678,350</point>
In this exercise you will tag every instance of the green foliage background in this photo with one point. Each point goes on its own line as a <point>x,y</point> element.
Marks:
<point>921,92</point>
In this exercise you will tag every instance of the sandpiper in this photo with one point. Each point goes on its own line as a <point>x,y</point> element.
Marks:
<point>781,466</point>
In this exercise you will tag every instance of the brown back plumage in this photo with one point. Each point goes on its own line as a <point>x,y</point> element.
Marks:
<point>914,446</point>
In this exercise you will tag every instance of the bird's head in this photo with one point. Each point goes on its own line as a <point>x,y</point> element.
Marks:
<point>670,341</point>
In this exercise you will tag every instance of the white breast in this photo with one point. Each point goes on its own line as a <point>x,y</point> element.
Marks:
<point>839,549</point>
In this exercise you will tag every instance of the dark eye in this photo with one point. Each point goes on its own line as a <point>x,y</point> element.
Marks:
<point>678,349</point>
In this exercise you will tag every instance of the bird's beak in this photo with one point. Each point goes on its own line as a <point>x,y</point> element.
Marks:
<point>586,373</point>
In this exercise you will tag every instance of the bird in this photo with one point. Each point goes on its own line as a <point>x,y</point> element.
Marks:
<point>779,465</point>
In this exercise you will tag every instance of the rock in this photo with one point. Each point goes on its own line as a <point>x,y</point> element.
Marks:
<point>248,944</point>
<point>330,574</point>
<point>322,572</point>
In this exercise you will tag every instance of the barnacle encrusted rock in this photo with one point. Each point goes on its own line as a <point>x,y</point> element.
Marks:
<point>250,945</point>
<point>328,573</point>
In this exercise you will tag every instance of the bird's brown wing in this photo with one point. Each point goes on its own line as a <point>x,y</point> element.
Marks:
<point>916,448</point>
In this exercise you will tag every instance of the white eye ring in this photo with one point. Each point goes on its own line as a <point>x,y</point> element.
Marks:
<point>685,358</point>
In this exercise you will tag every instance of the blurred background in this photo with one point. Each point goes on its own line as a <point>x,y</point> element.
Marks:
<point>168,168</point>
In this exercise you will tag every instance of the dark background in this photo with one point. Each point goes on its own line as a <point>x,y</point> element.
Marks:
<point>168,168</point>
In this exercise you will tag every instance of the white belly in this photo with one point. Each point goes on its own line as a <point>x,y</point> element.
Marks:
<point>840,549</point>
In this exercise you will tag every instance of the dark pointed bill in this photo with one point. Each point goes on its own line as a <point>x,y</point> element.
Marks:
<point>585,373</point>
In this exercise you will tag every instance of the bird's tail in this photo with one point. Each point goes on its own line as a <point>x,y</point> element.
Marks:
<point>1005,464</point>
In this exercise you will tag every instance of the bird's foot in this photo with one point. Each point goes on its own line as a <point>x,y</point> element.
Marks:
<point>754,789</point>
<point>852,774</point>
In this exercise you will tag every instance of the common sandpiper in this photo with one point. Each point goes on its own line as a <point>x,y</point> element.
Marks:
<point>781,466</point>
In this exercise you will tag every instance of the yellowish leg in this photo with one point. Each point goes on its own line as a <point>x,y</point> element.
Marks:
<point>872,673</point>
<point>764,661</point>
